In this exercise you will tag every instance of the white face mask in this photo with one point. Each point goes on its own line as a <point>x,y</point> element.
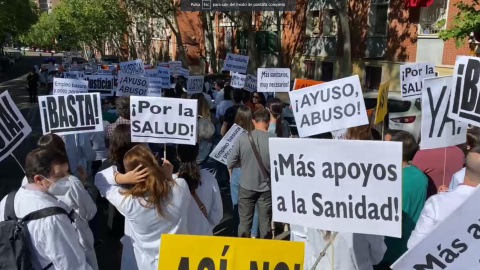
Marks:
<point>60,187</point>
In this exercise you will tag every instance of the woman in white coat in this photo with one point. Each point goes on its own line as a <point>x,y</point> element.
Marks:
<point>152,202</point>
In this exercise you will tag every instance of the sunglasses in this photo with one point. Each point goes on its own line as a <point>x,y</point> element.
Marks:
<point>257,97</point>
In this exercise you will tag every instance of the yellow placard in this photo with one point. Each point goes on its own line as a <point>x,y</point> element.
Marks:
<point>382,101</point>
<point>302,83</point>
<point>187,252</point>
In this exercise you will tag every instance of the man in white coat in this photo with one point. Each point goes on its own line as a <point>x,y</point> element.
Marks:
<point>440,206</point>
<point>53,239</point>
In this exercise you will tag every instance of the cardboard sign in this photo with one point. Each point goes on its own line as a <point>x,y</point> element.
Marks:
<point>174,67</point>
<point>238,80</point>
<point>333,185</point>
<point>329,106</point>
<point>69,86</point>
<point>302,83</point>
<point>382,102</point>
<point>236,63</point>
<point>151,73</point>
<point>411,78</point>
<point>103,84</point>
<point>250,83</point>
<point>131,85</point>
<point>73,74</point>
<point>465,96</point>
<point>183,72</point>
<point>71,114</point>
<point>163,120</point>
<point>187,252</point>
<point>453,244</point>
<point>154,87</point>
<point>13,126</point>
<point>221,152</point>
<point>273,80</point>
<point>132,67</point>
<point>164,73</point>
<point>438,130</point>
<point>195,84</point>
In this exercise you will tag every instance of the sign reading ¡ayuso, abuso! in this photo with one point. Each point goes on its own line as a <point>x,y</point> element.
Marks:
<point>163,120</point>
<point>332,185</point>
<point>250,83</point>
<point>103,84</point>
<point>132,67</point>
<point>69,86</point>
<point>223,149</point>
<point>465,95</point>
<point>131,85</point>
<point>273,80</point>
<point>438,130</point>
<point>236,63</point>
<point>329,106</point>
<point>411,78</point>
<point>71,114</point>
<point>13,126</point>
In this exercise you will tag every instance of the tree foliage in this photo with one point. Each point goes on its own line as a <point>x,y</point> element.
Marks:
<point>467,20</point>
<point>16,17</point>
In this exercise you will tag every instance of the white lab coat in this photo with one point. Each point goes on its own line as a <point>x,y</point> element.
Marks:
<point>78,199</point>
<point>53,239</point>
<point>352,251</point>
<point>457,179</point>
<point>143,226</point>
<point>436,209</point>
<point>209,194</point>
<point>79,150</point>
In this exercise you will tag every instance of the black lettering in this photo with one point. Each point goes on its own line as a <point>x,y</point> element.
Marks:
<point>317,204</point>
<point>206,263</point>
<point>474,230</point>
<point>287,163</point>
<point>281,204</point>
<point>430,260</point>
<point>393,174</point>
<point>383,172</point>
<point>470,91</point>
<point>72,118</point>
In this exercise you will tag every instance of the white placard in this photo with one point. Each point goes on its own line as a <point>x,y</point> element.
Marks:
<point>238,80</point>
<point>250,83</point>
<point>73,74</point>
<point>437,129</point>
<point>152,73</point>
<point>154,87</point>
<point>174,67</point>
<point>236,63</point>
<point>333,185</point>
<point>103,84</point>
<point>71,114</point>
<point>132,67</point>
<point>163,120</point>
<point>411,78</point>
<point>451,245</point>
<point>104,72</point>
<point>13,126</point>
<point>329,106</point>
<point>131,85</point>
<point>221,152</point>
<point>273,80</point>
<point>195,84</point>
<point>465,96</point>
<point>161,64</point>
<point>164,73</point>
<point>183,72</point>
<point>69,86</point>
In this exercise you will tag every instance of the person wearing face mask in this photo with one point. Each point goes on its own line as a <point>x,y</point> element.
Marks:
<point>53,241</point>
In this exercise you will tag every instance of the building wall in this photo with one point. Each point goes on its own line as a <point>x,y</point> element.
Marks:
<point>450,51</point>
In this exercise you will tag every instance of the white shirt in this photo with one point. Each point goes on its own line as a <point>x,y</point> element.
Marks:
<point>209,194</point>
<point>350,251</point>
<point>79,150</point>
<point>219,97</point>
<point>436,209</point>
<point>457,179</point>
<point>53,239</point>
<point>143,225</point>
<point>222,107</point>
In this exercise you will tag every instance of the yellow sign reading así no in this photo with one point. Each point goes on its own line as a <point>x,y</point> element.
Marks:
<point>191,252</point>
<point>382,101</point>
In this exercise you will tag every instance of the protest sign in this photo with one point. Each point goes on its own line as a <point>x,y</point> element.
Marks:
<point>236,63</point>
<point>411,78</point>
<point>104,72</point>
<point>162,64</point>
<point>273,80</point>
<point>174,67</point>
<point>154,87</point>
<point>221,152</point>
<point>186,252</point>
<point>163,120</point>
<point>164,73</point>
<point>195,84</point>
<point>130,85</point>
<point>382,102</point>
<point>451,245</point>
<point>13,126</point>
<point>329,106</point>
<point>438,130</point>
<point>183,72</point>
<point>73,74</point>
<point>238,80</point>
<point>69,86</point>
<point>103,84</point>
<point>333,185</point>
<point>465,95</point>
<point>132,67</point>
<point>151,73</point>
<point>302,83</point>
<point>71,114</point>
<point>250,83</point>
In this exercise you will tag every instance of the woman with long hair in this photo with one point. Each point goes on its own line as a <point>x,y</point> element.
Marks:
<point>152,202</point>
<point>205,210</point>
<point>258,101</point>
<point>277,124</point>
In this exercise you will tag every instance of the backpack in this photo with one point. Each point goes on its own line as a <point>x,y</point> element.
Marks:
<point>14,242</point>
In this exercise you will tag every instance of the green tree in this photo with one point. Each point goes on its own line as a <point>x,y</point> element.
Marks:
<point>16,17</point>
<point>467,20</point>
